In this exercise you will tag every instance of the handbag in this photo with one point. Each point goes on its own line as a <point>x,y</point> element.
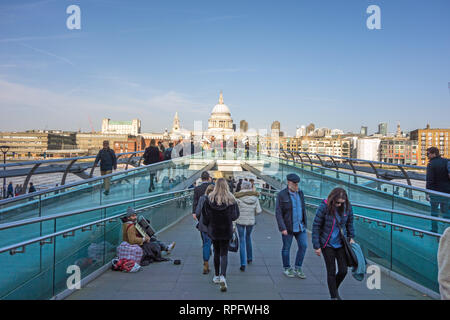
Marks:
<point>352,260</point>
<point>233,245</point>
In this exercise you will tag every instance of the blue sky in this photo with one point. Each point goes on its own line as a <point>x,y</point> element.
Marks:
<point>293,61</point>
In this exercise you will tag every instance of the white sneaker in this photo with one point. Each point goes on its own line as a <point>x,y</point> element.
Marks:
<point>216,279</point>
<point>223,284</point>
<point>170,247</point>
<point>289,272</point>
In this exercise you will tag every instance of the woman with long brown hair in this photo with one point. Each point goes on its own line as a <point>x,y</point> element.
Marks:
<point>219,211</point>
<point>333,214</point>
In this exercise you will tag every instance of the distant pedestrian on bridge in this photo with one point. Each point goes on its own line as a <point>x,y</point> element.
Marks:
<point>239,185</point>
<point>291,218</point>
<point>438,179</point>
<point>151,155</point>
<point>10,190</point>
<point>333,214</point>
<point>168,152</point>
<point>31,189</point>
<point>108,161</point>
<point>219,212</point>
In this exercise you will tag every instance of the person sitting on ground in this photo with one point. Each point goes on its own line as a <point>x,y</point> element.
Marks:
<point>134,245</point>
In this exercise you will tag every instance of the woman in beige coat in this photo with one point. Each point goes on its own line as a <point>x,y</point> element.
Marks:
<point>248,203</point>
<point>444,265</point>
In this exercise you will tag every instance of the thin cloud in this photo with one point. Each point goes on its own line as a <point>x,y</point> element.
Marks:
<point>219,18</point>
<point>48,54</point>
<point>21,39</point>
<point>116,79</point>
<point>25,6</point>
<point>172,101</point>
<point>31,107</point>
<point>224,70</point>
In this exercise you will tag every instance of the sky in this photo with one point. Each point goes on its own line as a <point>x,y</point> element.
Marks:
<point>297,62</point>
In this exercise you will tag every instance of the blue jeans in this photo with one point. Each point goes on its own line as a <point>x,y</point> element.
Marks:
<point>245,243</point>
<point>206,246</point>
<point>302,243</point>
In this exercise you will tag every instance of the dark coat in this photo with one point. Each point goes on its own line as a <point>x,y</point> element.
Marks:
<point>107,158</point>
<point>437,175</point>
<point>198,192</point>
<point>168,154</point>
<point>238,187</point>
<point>198,213</point>
<point>284,210</point>
<point>151,155</point>
<point>323,225</point>
<point>219,219</point>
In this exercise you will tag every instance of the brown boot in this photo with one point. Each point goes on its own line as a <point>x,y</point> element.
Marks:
<point>205,267</point>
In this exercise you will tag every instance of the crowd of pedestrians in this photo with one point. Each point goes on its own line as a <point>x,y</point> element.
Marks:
<point>12,191</point>
<point>220,213</point>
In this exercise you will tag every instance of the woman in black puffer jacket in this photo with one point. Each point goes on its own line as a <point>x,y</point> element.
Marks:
<point>219,211</point>
<point>333,212</point>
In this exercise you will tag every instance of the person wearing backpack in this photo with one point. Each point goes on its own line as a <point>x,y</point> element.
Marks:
<point>332,215</point>
<point>108,161</point>
<point>151,155</point>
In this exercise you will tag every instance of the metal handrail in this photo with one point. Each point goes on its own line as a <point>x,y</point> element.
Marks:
<point>400,226</point>
<point>358,160</point>
<point>395,225</point>
<point>76,183</point>
<point>72,230</point>
<point>16,164</point>
<point>25,222</point>
<point>403,213</point>
<point>428,191</point>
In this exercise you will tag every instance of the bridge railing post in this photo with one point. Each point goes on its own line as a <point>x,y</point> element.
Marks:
<point>63,180</point>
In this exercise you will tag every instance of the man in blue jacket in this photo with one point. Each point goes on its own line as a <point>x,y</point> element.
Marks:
<point>291,218</point>
<point>108,161</point>
<point>438,179</point>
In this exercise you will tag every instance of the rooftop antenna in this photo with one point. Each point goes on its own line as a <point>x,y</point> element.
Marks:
<point>90,122</point>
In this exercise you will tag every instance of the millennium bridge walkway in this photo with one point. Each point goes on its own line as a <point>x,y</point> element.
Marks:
<point>43,235</point>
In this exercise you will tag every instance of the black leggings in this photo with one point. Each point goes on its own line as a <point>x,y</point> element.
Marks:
<point>331,255</point>
<point>220,256</point>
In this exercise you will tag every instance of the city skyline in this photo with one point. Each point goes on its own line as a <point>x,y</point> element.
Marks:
<point>296,62</point>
